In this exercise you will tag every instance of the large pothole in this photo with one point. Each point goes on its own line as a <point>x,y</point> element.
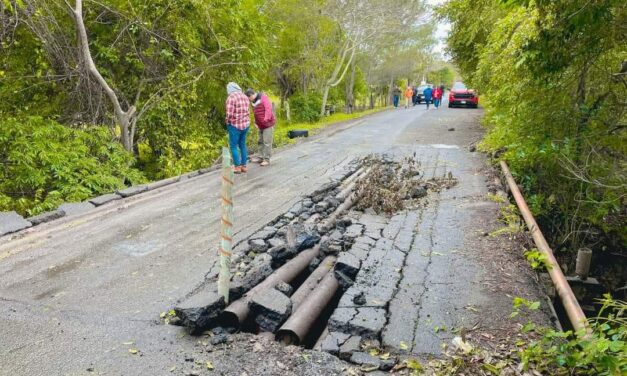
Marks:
<point>326,273</point>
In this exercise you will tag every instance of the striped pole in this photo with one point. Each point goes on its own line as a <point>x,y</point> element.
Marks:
<point>226,234</point>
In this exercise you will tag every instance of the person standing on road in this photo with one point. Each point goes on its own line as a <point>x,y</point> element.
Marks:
<point>414,97</point>
<point>238,123</point>
<point>408,93</point>
<point>265,121</point>
<point>427,93</point>
<point>437,97</point>
<point>396,96</point>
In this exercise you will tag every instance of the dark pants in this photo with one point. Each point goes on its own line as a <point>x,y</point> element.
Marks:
<point>395,99</point>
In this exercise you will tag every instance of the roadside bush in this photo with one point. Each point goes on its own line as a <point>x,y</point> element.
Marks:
<point>552,78</point>
<point>306,107</point>
<point>603,352</point>
<point>45,164</point>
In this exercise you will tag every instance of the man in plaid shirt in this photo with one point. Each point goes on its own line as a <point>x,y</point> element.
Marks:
<point>238,123</point>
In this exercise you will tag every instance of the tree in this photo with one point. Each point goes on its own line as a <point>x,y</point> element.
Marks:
<point>552,82</point>
<point>127,119</point>
<point>362,23</point>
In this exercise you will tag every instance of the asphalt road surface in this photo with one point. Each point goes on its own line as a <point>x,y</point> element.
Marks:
<point>77,293</point>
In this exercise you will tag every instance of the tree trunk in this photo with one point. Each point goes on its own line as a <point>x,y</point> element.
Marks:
<point>350,86</point>
<point>334,80</point>
<point>288,114</point>
<point>126,119</point>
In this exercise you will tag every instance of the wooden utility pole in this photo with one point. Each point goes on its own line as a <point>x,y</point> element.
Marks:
<point>226,233</point>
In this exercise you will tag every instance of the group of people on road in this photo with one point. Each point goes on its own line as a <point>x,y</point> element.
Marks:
<point>238,105</point>
<point>429,95</point>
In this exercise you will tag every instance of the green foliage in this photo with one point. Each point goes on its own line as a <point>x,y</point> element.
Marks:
<point>46,164</point>
<point>520,304</point>
<point>548,74</point>
<point>537,259</point>
<point>171,61</point>
<point>511,217</point>
<point>306,107</point>
<point>602,352</point>
<point>443,76</point>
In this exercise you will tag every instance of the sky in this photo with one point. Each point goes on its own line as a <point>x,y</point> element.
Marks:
<point>441,29</point>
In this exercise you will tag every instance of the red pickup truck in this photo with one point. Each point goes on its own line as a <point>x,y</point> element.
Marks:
<point>460,95</point>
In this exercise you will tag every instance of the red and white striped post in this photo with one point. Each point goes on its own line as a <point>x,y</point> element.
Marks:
<point>226,233</point>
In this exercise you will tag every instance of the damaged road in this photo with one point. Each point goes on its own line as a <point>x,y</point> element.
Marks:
<point>85,292</point>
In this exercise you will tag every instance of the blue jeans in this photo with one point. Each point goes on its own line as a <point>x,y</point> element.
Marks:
<point>396,98</point>
<point>436,103</point>
<point>237,144</point>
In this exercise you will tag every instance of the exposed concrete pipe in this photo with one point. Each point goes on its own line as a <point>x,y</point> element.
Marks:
<point>295,329</point>
<point>311,282</point>
<point>237,312</point>
<point>330,221</point>
<point>350,197</point>
<point>352,177</point>
<point>349,186</point>
<point>571,305</point>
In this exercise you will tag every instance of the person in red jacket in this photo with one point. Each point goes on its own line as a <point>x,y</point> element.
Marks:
<point>265,121</point>
<point>437,97</point>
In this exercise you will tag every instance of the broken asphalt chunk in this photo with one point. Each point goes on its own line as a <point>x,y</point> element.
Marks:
<point>364,359</point>
<point>348,265</point>
<point>200,311</point>
<point>258,245</point>
<point>350,346</point>
<point>271,308</point>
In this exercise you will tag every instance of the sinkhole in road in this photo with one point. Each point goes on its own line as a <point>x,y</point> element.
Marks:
<point>322,274</point>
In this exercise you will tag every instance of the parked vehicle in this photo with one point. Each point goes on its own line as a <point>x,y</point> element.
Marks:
<point>419,96</point>
<point>460,95</point>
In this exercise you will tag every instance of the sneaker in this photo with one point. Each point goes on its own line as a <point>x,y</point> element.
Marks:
<point>256,160</point>
<point>237,170</point>
<point>264,163</point>
<point>243,169</point>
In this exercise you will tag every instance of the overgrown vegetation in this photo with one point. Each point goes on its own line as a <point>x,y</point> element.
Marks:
<point>45,164</point>
<point>167,64</point>
<point>553,81</point>
<point>602,352</point>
